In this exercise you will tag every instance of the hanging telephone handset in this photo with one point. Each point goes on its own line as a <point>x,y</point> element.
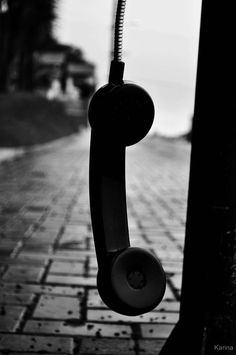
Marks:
<point>130,280</point>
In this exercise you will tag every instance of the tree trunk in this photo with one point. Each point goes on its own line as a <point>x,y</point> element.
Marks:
<point>25,71</point>
<point>6,52</point>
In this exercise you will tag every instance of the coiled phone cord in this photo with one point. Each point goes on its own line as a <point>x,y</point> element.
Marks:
<point>119,25</point>
<point>117,66</point>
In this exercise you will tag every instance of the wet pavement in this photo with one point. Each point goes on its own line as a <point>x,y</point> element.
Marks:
<point>48,298</point>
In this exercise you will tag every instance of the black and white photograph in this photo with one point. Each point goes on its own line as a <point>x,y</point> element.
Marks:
<point>117,177</point>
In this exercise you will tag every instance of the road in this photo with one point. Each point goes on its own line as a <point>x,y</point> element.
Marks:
<point>49,301</point>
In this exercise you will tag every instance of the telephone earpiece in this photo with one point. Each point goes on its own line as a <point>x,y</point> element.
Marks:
<point>130,281</point>
<point>125,111</point>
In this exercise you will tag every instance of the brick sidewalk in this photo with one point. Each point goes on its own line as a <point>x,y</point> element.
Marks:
<point>49,301</point>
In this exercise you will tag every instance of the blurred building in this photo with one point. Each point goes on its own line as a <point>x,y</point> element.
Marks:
<point>64,62</point>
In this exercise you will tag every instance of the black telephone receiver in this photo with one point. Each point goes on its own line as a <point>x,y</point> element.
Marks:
<point>130,280</point>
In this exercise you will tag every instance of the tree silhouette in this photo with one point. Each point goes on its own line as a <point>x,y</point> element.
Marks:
<point>24,28</point>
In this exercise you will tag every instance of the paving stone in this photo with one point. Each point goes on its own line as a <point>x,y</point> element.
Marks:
<point>72,243</point>
<point>168,254</point>
<point>93,262</point>
<point>36,207</point>
<point>172,267</point>
<point>77,230</point>
<point>150,317</point>
<point>73,326</point>
<point>42,237</point>
<point>38,247</point>
<point>176,281</point>
<point>34,215</point>
<point>165,306</point>
<point>168,295</point>
<point>159,331</point>
<point>92,272</point>
<point>94,300</point>
<point>156,235</point>
<point>57,212</point>
<point>9,244</point>
<point>6,252</point>
<point>90,243</point>
<point>45,233</point>
<point>16,298</point>
<point>12,235</point>
<point>41,353</point>
<point>140,243</point>
<point>59,267</point>
<point>71,280</point>
<point>57,307</point>
<point>33,258</point>
<point>150,346</point>
<point>82,220</point>
<point>29,254</point>
<point>74,254</point>
<point>28,343</point>
<point>179,236</point>
<point>25,261</point>
<point>44,289</point>
<point>21,273</point>
<point>20,226</point>
<point>92,346</point>
<point>10,317</point>
<point>58,256</point>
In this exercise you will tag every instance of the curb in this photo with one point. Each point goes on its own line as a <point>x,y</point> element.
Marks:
<point>7,154</point>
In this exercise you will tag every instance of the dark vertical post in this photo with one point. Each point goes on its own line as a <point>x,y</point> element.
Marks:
<point>207,322</point>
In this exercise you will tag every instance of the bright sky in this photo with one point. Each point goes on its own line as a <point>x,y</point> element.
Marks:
<point>160,49</point>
